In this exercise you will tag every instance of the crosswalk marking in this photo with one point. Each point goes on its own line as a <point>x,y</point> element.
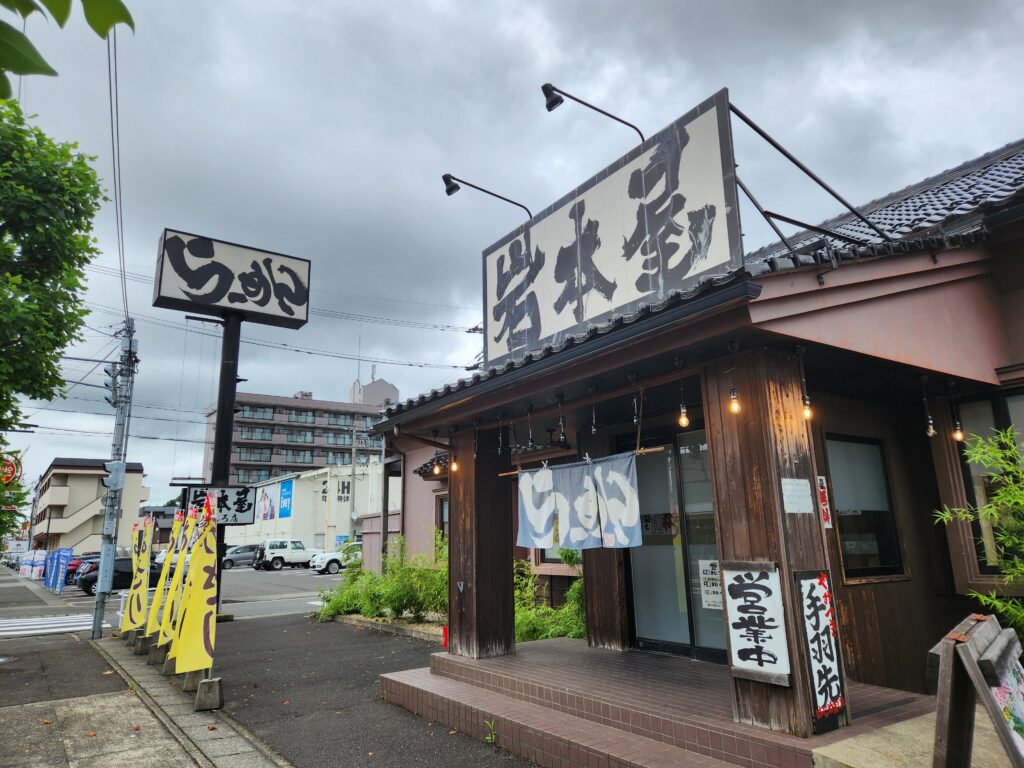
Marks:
<point>46,625</point>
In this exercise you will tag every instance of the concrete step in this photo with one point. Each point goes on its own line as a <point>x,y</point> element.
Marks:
<point>550,738</point>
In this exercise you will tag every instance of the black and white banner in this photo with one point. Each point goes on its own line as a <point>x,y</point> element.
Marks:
<point>821,633</point>
<point>594,503</point>
<point>756,622</point>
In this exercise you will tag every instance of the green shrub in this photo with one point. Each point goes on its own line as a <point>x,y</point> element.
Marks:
<point>535,618</point>
<point>1000,454</point>
<point>409,587</point>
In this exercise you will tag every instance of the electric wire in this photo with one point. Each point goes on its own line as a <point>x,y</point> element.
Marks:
<point>115,155</point>
<point>282,345</point>
<point>330,313</point>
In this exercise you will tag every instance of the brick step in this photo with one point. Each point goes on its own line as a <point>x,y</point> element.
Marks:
<point>703,726</point>
<point>550,738</point>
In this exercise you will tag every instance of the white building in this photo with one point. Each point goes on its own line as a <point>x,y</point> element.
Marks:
<point>322,507</point>
<point>68,505</point>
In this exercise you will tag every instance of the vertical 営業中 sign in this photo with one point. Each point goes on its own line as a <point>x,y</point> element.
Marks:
<point>756,622</point>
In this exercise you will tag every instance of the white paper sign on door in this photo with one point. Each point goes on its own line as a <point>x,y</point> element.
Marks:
<point>710,584</point>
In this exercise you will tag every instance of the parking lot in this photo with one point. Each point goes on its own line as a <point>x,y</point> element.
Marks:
<point>247,594</point>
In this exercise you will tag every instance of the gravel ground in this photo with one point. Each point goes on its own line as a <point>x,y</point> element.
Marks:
<point>312,691</point>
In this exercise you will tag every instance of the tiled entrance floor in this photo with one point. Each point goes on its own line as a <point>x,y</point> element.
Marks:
<point>564,704</point>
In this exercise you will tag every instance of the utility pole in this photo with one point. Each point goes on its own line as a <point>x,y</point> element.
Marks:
<point>121,383</point>
<point>383,502</point>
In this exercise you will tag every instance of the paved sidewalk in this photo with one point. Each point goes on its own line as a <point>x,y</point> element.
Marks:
<point>107,730</point>
<point>211,740</point>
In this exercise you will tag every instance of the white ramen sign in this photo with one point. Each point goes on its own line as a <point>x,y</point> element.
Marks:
<point>213,277</point>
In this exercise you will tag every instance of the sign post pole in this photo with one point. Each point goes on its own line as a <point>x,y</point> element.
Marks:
<point>221,470</point>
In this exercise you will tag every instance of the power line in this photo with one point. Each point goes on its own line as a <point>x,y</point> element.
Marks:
<point>134,416</point>
<point>281,345</point>
<point>331,313</point>
<point>115,152</point>
<point>367,297</point>
<point>68,431</point>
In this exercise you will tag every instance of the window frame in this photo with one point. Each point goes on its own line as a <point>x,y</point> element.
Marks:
<point>880,574</point>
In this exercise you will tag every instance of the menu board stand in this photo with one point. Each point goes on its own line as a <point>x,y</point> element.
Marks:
<point>978,660</point>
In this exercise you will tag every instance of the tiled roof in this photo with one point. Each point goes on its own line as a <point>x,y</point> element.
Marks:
<point>440,459</point>
<point>987,181</point>
<point>934,214</point>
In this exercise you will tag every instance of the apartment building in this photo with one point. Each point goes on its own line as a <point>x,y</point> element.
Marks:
<point>67,509</point>
<point>275,436</point>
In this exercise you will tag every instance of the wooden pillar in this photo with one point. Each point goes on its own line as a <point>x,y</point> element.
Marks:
<point>604,575</point>
<point>481,618</point>
<point>751,453</point>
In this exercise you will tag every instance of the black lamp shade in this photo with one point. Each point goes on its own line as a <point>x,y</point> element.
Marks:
<point>551,98</point>
<point>450,187</point>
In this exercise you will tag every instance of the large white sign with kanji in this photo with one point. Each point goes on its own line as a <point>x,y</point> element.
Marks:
<point>655,222</point>
<point>756,622</point>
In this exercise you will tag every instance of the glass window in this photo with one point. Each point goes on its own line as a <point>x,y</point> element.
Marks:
<point>298,457</point>
<point>339,419</point>
<point>866,523</point>
<point>296,436</point>
<point>253,475</point>
<point>256,433</point>
<point>339,457</point>
<point>980,419</point>
<point>257,412</point>
<point>339,438</point>
<point>442,514</point>
<point>297,545</point>
<point>301,417</point>
<point>246,453</point>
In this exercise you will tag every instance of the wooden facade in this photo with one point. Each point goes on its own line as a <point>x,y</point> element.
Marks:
<point>873,343</point>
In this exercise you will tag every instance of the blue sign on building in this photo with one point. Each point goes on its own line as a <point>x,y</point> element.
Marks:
<point>285,503</point>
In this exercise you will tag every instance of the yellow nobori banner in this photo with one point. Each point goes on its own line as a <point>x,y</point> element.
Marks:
<point>153,624</point>
<point>138,595</point>
<point>168,622</point>
<point>197,631</point>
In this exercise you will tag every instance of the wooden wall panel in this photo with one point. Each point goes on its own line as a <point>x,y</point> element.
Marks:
<point>481,615</point>
<point>888,623</point>
<point>604,574</point>
<point>750,453</point>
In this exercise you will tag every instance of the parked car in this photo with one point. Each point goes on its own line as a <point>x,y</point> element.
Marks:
<point>87,563</point>
<point>332,562</point>
<point>122,576</point>
<point>86,567</point>
<point>275,554</point>
<point>242,554</point>
<point>75,563</point>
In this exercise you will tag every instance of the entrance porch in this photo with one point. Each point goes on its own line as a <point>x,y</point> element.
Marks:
<point>564,704</point>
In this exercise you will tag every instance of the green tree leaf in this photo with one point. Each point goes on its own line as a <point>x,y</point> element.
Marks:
<point>23,7</point>
<point>5,87</point>
<point>18,55</point>
<point>59,9</point>
<point>103,15</point>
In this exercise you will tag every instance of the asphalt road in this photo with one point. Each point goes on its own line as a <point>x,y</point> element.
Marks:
<point>312,691</point>
<point>52,667</point>
<point>247,594</point>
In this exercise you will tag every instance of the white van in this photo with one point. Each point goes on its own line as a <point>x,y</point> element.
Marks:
<point>275,554</point>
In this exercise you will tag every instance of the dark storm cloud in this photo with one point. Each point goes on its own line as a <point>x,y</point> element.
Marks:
<point>321,130</point>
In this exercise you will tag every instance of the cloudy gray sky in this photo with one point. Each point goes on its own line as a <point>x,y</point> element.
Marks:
<point>321,130</point>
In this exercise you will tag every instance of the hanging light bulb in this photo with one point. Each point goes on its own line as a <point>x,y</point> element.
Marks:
<point>958,432</point>
<point>684,420</point>
<point>930,431</point>
<point>734,401</point>
<point>437,468</point>
<point>808,413</point>
<point>453,465</point>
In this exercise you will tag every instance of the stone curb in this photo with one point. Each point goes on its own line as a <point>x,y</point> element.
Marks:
<point>407,630</point>
<point>179,735</point>
<point>267,598</point>
<point>194,750</point>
